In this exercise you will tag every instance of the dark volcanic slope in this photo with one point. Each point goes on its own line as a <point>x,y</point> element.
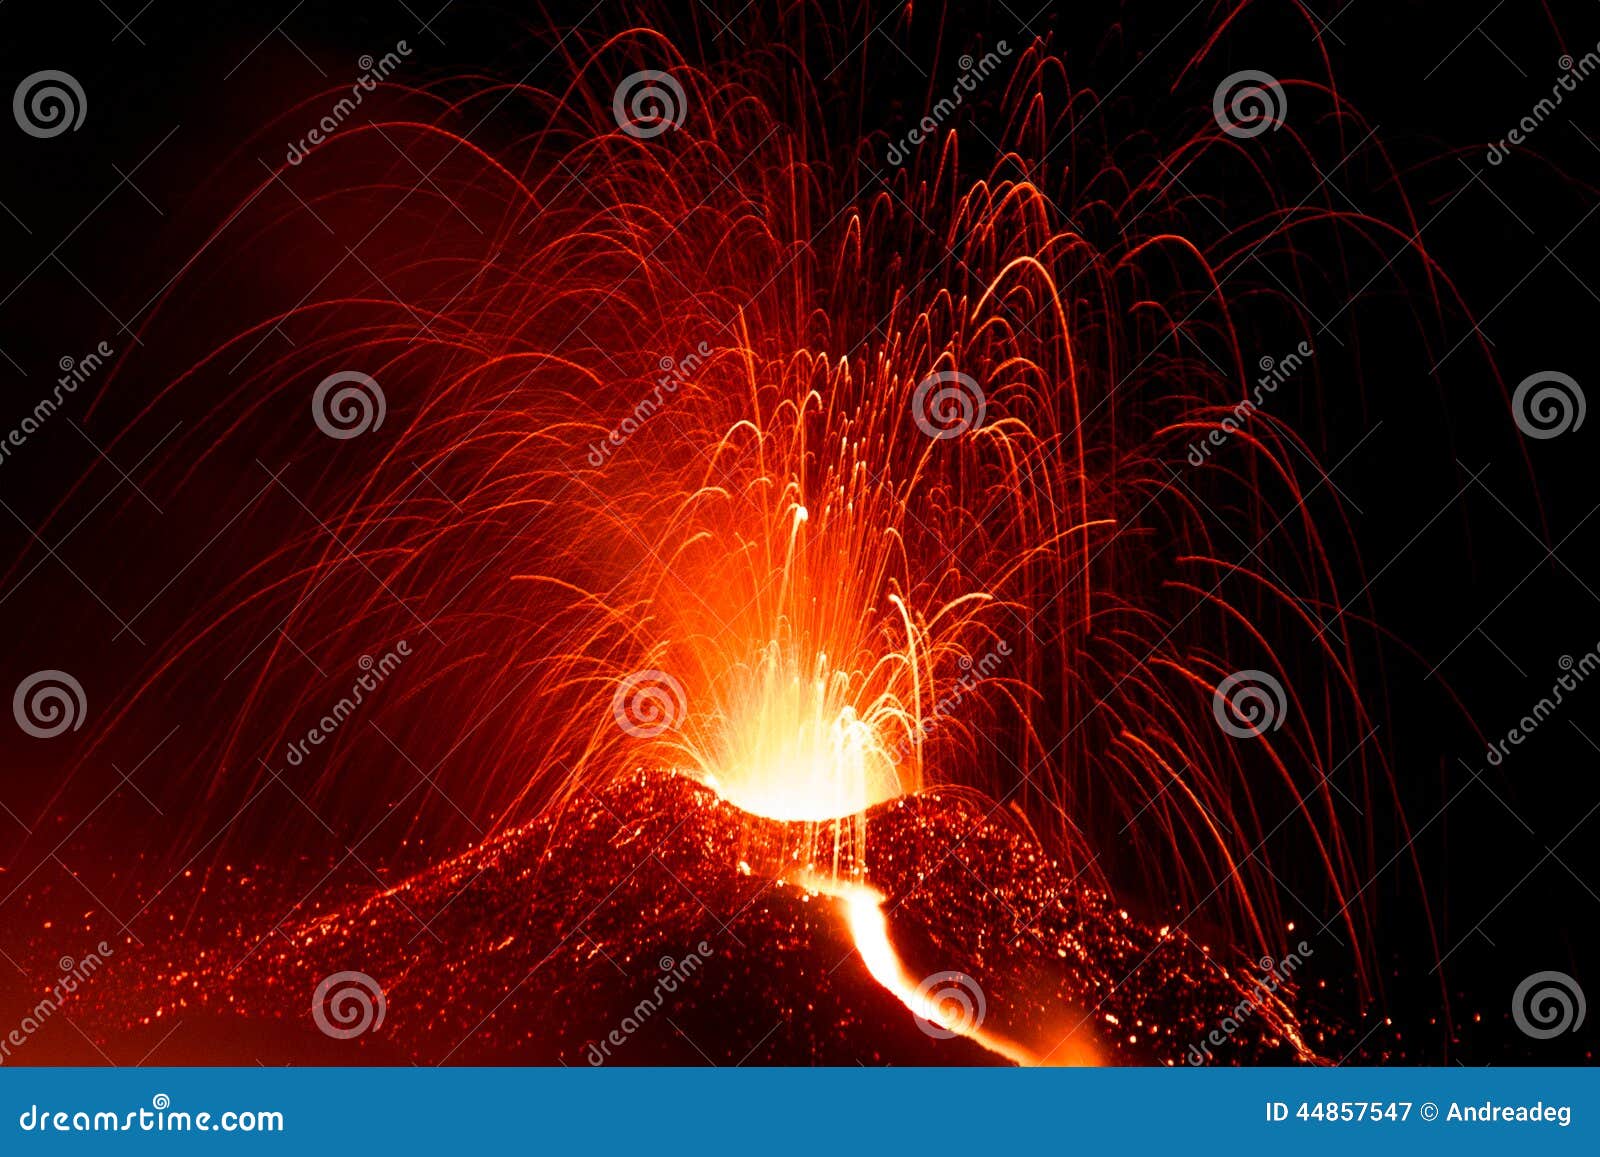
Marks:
<point>650,925</point>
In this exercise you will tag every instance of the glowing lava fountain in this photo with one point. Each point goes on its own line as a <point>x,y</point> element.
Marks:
<point>704,445</point>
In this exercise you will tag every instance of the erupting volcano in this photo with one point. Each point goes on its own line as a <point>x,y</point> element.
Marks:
<point>655,924</point>
<point>669,530</point>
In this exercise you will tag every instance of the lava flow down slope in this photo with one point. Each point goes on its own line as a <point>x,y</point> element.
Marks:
<point>705,574</point>
<point>627,935</point>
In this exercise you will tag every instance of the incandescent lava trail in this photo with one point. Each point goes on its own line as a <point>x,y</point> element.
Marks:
<point>665,432</point>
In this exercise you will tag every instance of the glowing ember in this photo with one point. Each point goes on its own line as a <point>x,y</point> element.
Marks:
<point>952,1009</point>
<point>593,910</point>
<point>820,491</point>
<point>816,504</point>
<point>789,744</point>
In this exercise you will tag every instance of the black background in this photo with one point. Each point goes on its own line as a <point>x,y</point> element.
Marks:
<point>1461,571</point>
